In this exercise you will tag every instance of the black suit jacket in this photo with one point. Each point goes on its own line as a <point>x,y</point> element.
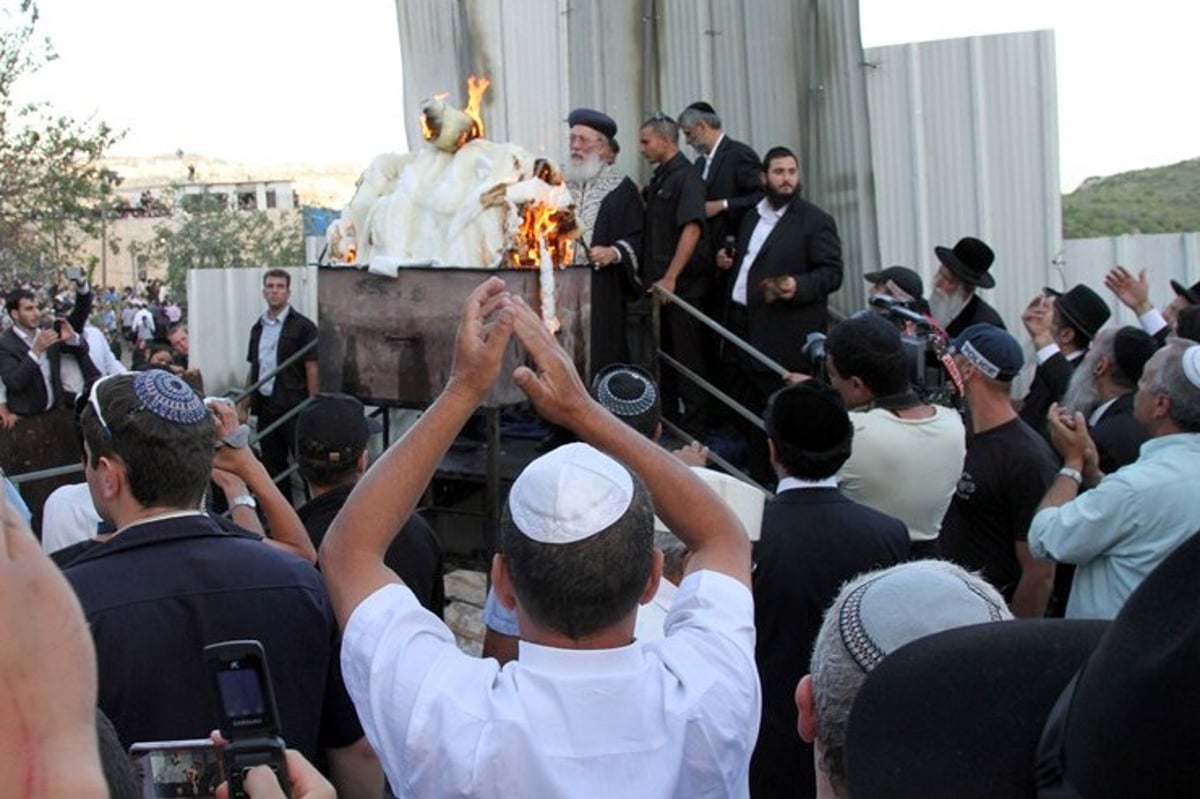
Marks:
<point>976,311</point>
<point>22,375</point>
<point>1048,386</point>
<point>813,540</point>
<point>1118,436</point>
<point>735,175</point>
<point>804,244</point>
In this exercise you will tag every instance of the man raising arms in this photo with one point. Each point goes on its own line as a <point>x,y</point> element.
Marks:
<point>595,708</point>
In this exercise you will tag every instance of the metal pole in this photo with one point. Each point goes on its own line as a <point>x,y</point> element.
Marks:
<point>704,319</point>
<point>733,404</point>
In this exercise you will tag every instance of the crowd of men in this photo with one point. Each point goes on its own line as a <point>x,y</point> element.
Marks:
<point>886,625</point>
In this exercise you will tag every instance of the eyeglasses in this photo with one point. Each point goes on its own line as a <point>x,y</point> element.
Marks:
<point>94,401</point>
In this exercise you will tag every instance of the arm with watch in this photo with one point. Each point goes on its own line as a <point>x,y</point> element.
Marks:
<point>1077,528</point>
<point>286,530</point>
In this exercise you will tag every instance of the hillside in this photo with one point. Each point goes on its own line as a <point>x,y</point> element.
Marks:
<point>1164,199</point>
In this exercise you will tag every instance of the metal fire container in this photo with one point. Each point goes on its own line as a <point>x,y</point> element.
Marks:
<point>390,341</point>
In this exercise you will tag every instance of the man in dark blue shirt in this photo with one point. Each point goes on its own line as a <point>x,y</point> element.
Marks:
<point>171,581</point>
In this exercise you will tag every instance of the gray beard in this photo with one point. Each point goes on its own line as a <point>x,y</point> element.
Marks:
<point>583,171</point>
<point>946,307</point>
<point>1082,394</point>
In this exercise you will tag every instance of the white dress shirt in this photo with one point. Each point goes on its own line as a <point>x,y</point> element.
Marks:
<point>676,717</point>
<point>708,159</point>
<point>768,217</point>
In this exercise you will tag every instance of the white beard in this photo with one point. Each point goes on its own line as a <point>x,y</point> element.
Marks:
<point>583,170</point>
<point>1082,394</point>
<point>946,307</point>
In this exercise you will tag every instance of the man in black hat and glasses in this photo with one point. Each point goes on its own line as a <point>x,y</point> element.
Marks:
<point>961,271</point>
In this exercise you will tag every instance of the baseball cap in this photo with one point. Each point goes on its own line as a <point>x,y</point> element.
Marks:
<point>333,429</point>
<point>990,349</point>
<point>908,280</point>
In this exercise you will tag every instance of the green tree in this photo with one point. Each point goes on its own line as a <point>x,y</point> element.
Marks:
<point>53,187</point>
<point>205,233</point>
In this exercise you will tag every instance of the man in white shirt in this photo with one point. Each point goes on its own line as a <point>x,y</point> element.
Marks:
<point>596,713</point>
<point>907,455</point>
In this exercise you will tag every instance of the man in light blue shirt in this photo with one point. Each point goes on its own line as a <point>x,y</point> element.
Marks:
<point>1129,521</point>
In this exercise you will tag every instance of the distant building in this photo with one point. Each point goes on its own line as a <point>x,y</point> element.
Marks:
<point>140,208</point>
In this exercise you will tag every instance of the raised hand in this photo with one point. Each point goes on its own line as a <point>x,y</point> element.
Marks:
<point>483,334</point>
<point>554,388</point>
<point>1133,292</point>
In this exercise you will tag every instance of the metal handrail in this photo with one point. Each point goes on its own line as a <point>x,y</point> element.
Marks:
<point>72,468</point>
<point>721,331</point>
<point>682,435</point>
<point>291,359</point>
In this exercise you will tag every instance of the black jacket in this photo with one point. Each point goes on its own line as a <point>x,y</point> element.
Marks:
<point>805,245</point>
<point>1118,436</point>
<point>813,540</point>
<point>291,385</point>
<point>976,311</point>
<point>735,175</point>
<point>22,375</point>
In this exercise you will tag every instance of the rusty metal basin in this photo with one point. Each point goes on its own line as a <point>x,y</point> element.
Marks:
<point>390,341</point>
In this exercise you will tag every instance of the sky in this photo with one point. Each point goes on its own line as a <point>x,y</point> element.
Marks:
<point>295,80</point>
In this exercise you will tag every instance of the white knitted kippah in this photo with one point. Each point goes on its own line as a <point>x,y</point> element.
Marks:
<point>569,494</point>
<point>1191,364</point>
<point>910,601</point>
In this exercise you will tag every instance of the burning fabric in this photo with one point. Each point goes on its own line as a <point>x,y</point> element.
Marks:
<point>463,201</point>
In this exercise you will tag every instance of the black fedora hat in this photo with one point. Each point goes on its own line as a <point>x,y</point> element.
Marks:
<point>1063,708</point>
<point>1192,295</point>
<point>1083,309</point>
<point>969,260</point>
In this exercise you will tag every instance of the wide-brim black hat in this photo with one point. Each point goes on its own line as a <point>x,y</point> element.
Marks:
<point>969,260</point>
<point>1070,707</point>
<point>1192,295</point>
<point>1083,309</point>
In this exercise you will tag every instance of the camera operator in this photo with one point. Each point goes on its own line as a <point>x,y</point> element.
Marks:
<point>907,455</point>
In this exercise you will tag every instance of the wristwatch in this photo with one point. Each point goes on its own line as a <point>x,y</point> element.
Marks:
<point>244,499</point>
<point>1074,474</point>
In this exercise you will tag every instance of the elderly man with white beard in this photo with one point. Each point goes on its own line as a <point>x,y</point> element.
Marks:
<point>1102,389</point>
<point>609,209</point>
<point>961,270</point>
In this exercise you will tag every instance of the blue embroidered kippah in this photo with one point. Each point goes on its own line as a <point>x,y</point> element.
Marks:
<point>625,390</point>
<point>166,395</point>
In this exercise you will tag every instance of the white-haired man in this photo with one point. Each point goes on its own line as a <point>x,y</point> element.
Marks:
<point>1129,521</point>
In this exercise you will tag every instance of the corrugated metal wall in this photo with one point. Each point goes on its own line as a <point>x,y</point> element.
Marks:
<point>779,72</point>
<point>1165,257</point>
<point>223,305</point>
<point>964,140</point>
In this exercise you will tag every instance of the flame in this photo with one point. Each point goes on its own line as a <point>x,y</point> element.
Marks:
<point>543,224</point>
<point>351,254</point>
<point>475,89</point>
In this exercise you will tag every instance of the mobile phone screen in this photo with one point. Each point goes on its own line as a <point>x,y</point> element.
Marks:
<point>177,768</point>
<point>241,695</point>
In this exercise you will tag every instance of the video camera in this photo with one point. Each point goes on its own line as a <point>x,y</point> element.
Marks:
<point>924,349</point>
